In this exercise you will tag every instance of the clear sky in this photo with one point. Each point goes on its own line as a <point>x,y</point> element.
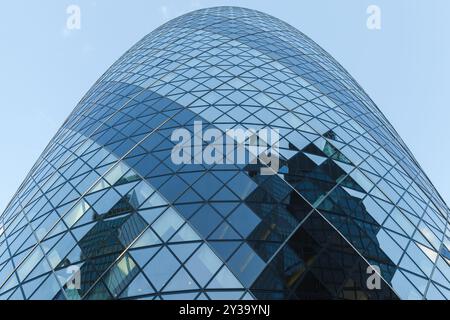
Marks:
<point>45,69</point>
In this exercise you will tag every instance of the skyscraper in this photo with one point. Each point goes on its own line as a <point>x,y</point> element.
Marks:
<point>105,213</point>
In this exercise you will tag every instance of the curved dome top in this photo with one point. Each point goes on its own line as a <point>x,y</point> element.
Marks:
<point>106,198</point>
<point>297,54</point>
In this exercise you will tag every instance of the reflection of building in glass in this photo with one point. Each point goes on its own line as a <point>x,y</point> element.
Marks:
<point>105,197</point>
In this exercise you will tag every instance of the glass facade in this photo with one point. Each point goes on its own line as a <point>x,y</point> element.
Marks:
<point>105,214</point>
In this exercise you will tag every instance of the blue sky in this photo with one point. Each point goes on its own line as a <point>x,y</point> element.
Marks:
<point>45,69</point>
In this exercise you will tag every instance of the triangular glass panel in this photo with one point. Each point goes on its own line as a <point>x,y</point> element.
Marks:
<point>148,238</point>
<point>186,233</point>
<point>150,215</point>
<point>317,159</point>
<point>184,251</point>
<point>224,232</point>
<point>142,256</point>
<point>224,280</point>
<point>182,281</point>
<point>138,287</point>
